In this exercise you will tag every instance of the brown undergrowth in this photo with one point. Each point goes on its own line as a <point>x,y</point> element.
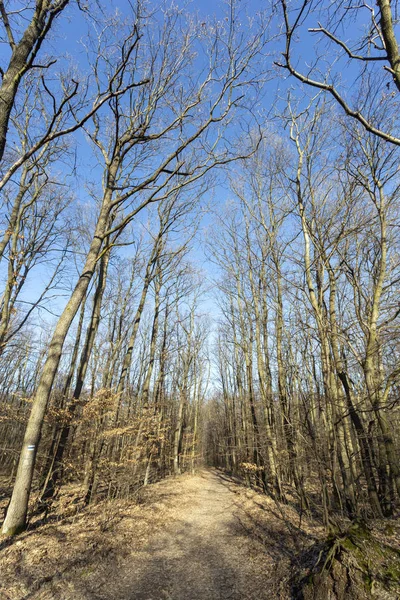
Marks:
<point>75,551</point>
<point>202,537</point>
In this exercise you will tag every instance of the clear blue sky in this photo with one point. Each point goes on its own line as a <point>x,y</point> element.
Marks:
<point>67,38</point>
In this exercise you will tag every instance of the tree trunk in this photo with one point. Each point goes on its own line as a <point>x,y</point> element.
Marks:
<point>15,520</point>
<point>56,471</point>
<point>23,54</point>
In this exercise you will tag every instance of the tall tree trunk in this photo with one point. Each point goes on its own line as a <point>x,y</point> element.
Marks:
<point>15,520</point>
<point>56,473</point>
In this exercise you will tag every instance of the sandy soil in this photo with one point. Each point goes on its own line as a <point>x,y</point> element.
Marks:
<point>199,537</point>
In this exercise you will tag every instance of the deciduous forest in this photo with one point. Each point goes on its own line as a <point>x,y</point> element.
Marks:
<point>200,309</point>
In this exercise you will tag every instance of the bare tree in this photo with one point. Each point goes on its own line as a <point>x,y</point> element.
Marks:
<point>24,46</point>
<point>373,57</point>
<point>157,134</point>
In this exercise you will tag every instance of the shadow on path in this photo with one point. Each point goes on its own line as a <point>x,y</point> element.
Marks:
<point>207,542</point>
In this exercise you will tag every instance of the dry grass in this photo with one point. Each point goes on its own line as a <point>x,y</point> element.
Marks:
<point>77,554</point>
<point>202,537</point>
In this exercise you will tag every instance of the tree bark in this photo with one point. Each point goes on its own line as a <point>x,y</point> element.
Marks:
<point>23,55</point>
<point>15,520</point>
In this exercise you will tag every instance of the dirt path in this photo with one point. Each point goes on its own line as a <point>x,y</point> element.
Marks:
<point>204,554</point>
<point>200,537</point>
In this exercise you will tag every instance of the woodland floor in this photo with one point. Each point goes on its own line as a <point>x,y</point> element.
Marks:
<point>201,537</point>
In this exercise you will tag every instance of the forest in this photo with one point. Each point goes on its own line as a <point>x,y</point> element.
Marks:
<point>200,275</point>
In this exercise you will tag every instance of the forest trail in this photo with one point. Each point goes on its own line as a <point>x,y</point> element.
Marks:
<point>204,554</point>
<point>195,537</point>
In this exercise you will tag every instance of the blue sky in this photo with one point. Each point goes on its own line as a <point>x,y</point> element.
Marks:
<point>66,42</point>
